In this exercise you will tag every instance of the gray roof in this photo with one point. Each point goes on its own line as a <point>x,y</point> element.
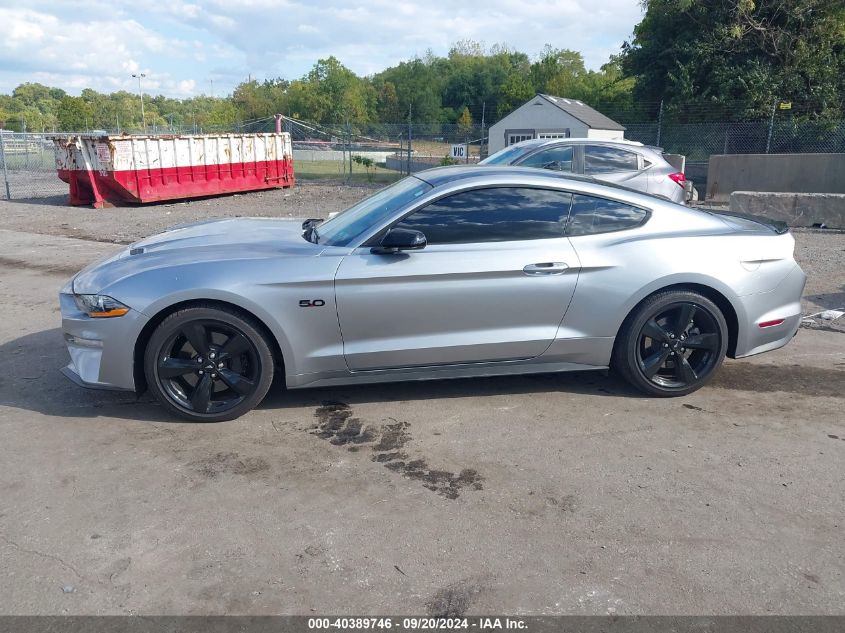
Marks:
<point>584,113</point>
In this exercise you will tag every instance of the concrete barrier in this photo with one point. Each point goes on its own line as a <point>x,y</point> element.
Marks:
<point>796,209</point>
<point>308,155</point>
<point>787,173</point>
<point>420,163</point>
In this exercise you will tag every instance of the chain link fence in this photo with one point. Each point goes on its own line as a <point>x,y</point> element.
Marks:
<point>381,153</point>
<point>699,141</point>
<point>28,167</point>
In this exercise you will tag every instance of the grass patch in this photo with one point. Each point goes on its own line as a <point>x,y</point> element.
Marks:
<point>333,170</point>
<point>43,160</point>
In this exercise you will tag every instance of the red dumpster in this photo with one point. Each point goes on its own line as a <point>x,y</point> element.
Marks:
<point>117,169</point>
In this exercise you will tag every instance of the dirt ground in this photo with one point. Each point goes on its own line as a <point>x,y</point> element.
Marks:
<point>550,494</point>
<point>124,225</point>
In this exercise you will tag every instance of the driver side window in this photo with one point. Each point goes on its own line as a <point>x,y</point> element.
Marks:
<point>556,158</point>
<point>499,214</point>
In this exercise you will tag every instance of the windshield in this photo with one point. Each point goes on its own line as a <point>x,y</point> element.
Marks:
<point>506,156</point>
<point>351,224</point>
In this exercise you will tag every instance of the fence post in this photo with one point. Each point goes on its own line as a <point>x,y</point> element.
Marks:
<point>5,171</point>
<point>771,125</point>
<point>410,134</point>
<point>659,123</point>
<point>481,144</point>
<point>349,136</point>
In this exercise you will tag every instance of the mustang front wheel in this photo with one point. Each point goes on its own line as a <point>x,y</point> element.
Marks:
<point>208,364</point>
<point>672,343</point>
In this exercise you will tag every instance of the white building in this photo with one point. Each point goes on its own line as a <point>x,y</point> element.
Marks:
<point>546,116</point>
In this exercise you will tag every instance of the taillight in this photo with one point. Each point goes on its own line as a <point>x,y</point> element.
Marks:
<point>679,178</point>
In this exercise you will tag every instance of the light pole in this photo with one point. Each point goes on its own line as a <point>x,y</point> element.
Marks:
<point>141,95</point>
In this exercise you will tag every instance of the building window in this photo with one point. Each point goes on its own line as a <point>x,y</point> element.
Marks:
<point>552,135</point>
<point>518,138</point>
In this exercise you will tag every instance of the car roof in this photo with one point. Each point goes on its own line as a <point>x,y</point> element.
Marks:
<point>540,142</point>
<point>440,176</point>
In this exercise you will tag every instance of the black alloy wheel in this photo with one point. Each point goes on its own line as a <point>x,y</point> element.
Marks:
<point>208,364</point>
<point>672,344</point>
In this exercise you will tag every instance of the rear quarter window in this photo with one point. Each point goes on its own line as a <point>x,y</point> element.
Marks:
<point>590,215</point>
<point>600,159</point>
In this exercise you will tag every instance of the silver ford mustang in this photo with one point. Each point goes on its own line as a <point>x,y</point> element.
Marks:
<point>461,271</point>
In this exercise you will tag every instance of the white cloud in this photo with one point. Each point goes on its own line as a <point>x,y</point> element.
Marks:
<point>181,45</point>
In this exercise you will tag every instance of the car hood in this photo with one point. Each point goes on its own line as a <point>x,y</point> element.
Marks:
<point>227,232</point>
<point>203,242</point>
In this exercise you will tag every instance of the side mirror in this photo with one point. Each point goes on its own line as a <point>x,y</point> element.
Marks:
<point>396,240</point>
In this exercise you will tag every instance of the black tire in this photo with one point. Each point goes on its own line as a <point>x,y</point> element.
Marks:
<point>671,344</point>
<point>228,372</point>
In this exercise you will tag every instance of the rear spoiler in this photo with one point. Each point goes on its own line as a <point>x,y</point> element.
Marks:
<point>774,225</point>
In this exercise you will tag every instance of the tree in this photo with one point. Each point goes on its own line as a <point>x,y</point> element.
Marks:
<point>387,102</point>
<point>465,125</point>
<point>331,93</point>
<point>74,114</point>
<point>739,55</point>
<point>418,86</point>
<point>516,90</point>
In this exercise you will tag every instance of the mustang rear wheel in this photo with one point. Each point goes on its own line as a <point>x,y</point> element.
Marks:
<point>208,364</point>
<point>672,343</point>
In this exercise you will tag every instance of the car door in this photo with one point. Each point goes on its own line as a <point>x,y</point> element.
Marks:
<point>614,164</point>
<point>492,284</point>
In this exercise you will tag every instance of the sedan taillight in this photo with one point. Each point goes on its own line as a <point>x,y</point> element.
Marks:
<point>679,178</point>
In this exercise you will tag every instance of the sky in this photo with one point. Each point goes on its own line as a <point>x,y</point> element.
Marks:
<point>189,48</point>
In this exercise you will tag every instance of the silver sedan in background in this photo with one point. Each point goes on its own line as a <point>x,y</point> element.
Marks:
<point>453,272</point>
<point>627,163</point>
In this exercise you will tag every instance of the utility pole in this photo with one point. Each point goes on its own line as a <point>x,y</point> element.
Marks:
<point>212,88</point>
<point>771,125</point>
<point>139,76</point>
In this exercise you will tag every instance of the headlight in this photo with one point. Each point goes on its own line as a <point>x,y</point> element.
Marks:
<point>100,306</point>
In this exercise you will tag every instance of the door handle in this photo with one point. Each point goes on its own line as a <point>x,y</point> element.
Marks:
<point>546,268</point>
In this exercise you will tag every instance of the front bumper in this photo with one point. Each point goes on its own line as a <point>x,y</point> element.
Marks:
<point>102,351</point>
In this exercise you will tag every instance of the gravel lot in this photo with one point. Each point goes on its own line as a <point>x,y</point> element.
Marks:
<point>551,494</point>
<point>123,225</point>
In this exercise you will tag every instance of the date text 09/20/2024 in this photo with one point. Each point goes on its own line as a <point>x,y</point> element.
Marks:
<point>417,624</point>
